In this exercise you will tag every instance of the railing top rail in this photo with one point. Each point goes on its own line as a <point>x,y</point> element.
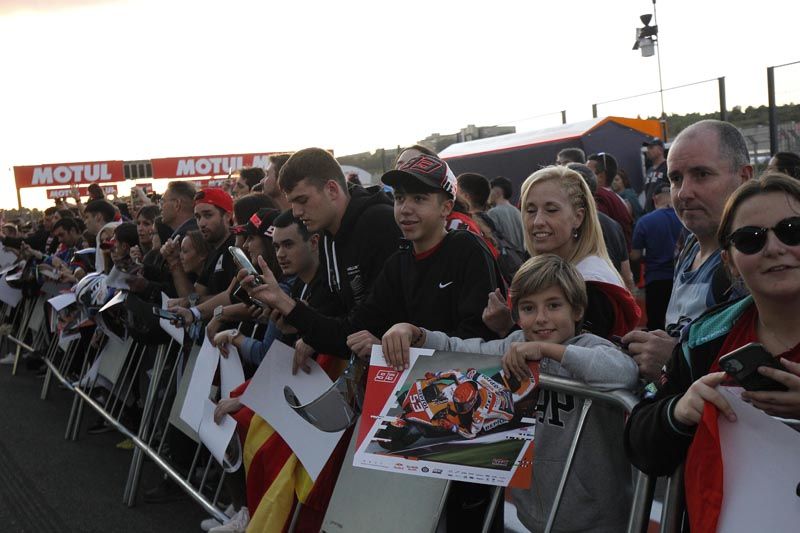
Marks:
<point>622,398</point>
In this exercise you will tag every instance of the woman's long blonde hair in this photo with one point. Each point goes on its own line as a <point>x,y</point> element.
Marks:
<point>590,235</point>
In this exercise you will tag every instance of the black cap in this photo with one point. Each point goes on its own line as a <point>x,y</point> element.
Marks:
<point>662,185</point>
<point>427,169</point>
<point>261,222</point>
<point>655,141</point>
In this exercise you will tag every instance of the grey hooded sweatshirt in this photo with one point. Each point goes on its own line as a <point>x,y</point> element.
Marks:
<point>597,495</point>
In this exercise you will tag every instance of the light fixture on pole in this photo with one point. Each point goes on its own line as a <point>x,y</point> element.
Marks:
<point>647,43</point>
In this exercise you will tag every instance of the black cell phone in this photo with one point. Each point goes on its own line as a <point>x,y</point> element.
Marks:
<point>13,242</point>
<point>617,340</point>
<point>241,260</point>
<point>240,295</point>
<point>742,364</point>
<point>169,315</point>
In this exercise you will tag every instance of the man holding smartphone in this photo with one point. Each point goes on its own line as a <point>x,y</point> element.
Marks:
<point>213,210</point>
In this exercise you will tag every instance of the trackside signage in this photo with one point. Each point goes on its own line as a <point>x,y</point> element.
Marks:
<point>82,191</point>
<point>68,174</point>
<point>210,165</point>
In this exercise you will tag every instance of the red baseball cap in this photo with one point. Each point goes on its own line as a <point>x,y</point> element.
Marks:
<point>216,197</point>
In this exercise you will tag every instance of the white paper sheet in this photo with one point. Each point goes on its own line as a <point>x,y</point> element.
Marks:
<point>62,300</point>
<point>7,257</point>
<point>762,471</point>
<point>117,299</point>
<point>265,396</point>
<point>216,437</point>
<point>12,266</point>
<point>200,385</point>
<point>231,374</point>
<point>8,294</point>
<point>173,331</point>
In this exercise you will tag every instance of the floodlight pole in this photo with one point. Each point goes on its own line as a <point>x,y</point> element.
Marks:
<point>660,83</point>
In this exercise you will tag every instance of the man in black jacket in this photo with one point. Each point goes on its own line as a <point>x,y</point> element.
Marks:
<point>356,225</point>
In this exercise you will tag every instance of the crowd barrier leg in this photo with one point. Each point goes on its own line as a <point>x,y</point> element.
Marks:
<point>50,356</point>
<point>74,420</point>
<point>587,404</point>
<point>497,493</point>
<point>27,312</point>
<point>131,485</point>
<point>639,518</point>
<point>672,510</point>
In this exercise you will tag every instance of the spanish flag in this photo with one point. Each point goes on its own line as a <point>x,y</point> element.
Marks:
<point>276,480</point>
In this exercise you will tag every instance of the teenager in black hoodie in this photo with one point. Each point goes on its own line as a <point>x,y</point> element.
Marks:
<point>357,227</point>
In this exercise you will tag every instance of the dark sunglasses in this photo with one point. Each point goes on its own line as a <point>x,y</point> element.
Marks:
<point>751,239</point>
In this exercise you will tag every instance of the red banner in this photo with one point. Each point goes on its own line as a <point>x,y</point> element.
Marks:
<point>52,194</point>
<point>202,184</point>
<point>206,165</point>
<point>68,174</point>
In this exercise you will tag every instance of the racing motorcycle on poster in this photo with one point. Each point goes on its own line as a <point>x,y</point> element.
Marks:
<point>455,404</point>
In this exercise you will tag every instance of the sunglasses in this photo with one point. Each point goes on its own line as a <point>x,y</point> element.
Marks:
<point>751,239</point>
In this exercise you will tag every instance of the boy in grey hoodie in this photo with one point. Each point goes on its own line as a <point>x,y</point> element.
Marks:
<point>548,298</point>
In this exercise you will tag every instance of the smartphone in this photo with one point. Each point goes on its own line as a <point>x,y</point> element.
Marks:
<point>617,340</point>
<point>13,242</point>
<point>241,260</point>
<point>240,295</point>
<point>169,315</point>
<point>742,364</point>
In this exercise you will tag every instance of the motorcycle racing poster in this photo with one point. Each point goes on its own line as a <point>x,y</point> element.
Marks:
<point>450,416</point>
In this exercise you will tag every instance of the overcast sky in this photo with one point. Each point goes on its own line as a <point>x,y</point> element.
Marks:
<point>89,80</point>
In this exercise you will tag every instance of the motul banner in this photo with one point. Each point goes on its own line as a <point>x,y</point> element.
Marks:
<point>68,174</point>
<point>202,184</point>
<point>52,194</point>
<point>206,165</point>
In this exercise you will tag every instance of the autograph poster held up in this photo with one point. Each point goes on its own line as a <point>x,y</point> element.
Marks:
<point>448,416</point>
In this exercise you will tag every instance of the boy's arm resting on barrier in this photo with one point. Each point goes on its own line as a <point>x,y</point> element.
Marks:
<point>437,340</point>
<point>655,442</point>
<point>600,364</point>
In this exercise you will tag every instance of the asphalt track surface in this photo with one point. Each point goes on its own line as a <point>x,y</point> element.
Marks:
<point>48,484</point>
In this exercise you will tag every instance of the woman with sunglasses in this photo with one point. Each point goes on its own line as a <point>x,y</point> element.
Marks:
<point>760,240</point>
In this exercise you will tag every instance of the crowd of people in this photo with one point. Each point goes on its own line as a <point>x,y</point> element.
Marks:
<point>429,259</point>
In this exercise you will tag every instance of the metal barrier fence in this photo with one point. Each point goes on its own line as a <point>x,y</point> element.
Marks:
<point>107,382</point>
<point>643,485</point>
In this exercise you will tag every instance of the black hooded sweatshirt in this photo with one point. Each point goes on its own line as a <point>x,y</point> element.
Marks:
<point>367,236</point>
<point>443,289</point>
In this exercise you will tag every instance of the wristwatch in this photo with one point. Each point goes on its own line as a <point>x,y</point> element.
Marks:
<point>218,311</point>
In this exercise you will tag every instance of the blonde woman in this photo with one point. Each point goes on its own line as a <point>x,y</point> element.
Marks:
<point>560,217</point>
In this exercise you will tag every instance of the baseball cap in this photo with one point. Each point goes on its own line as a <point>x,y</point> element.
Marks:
<point>662,185</point>
<point>216,197</point>
<point>426,169</point>
<point>655,141</point>
<point>261,222</point>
